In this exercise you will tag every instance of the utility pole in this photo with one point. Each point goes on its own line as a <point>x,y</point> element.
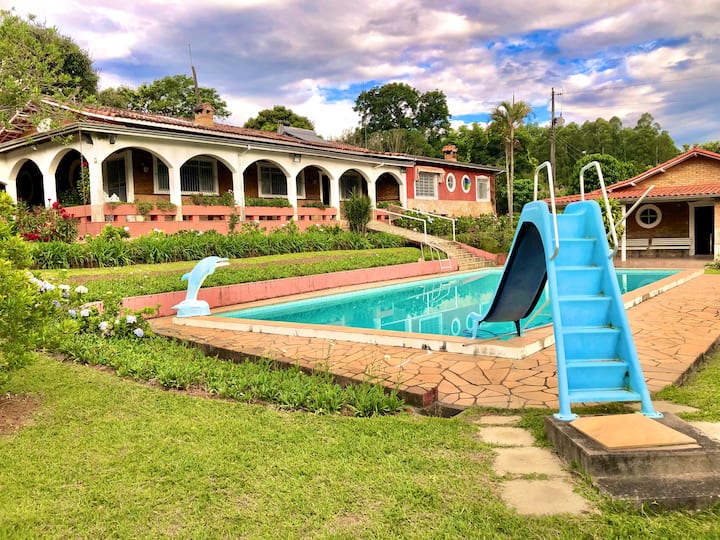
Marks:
<point>552,129</point>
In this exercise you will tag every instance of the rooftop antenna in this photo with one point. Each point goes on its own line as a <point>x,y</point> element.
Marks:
<point>192,67</point>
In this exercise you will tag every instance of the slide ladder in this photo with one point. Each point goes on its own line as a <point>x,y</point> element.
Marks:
<point>596,356</point>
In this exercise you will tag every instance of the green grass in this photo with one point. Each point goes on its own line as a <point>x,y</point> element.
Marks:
<point>107,457</point>
<point>143,279</point>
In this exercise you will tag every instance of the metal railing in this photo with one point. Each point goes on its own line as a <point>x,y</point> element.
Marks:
<point>552,202</point>
<point>431,215</point>
<point>608,210</point>
<point>424,222</point>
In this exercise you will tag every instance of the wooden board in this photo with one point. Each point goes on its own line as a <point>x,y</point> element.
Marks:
<point>623,431</point>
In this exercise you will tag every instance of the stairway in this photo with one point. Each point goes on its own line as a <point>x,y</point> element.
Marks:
<point>596,356</point>
<point>453,250</point>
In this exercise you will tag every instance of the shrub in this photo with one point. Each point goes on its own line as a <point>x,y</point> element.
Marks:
<point>225,199</point>
<point>358,211</point>
<point>46,224</point>
<point>12,247</point>
<point>144,208</point>
<point>278,202</point>
<point>115,233</point>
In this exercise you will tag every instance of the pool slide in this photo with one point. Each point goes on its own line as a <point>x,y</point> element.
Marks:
<point>596,355</point>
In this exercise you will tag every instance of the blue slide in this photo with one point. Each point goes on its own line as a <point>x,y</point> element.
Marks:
<point>596,356</point>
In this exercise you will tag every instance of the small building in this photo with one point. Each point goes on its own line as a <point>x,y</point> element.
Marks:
<point>679,216</point>
<point>149,171</point>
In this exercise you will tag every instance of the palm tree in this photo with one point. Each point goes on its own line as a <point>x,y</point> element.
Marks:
<point>509,116</point>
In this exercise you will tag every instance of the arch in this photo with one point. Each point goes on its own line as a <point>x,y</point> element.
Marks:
<point>314,184</point>
<point>266,178</point>
<point>29,184</point>
<point>353,179</point>
<point>70,187</point>
<point>387,188</point>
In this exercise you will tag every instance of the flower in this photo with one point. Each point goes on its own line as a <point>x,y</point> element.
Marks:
<point>126,228</point>
<point>46,286</point>
<point>139,332</point>
<point>72,312</point>
<point>81,289</point>
<point>131,319</point>
<point>103,326</point>
<point>64,287</point>
<point>84,312</point>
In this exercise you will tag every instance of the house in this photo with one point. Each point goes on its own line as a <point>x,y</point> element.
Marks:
<point>148,171</point>
<point>679,216</point>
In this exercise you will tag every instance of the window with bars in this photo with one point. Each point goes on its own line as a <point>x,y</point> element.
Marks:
<point>426,185</point>
<point>482,186</point>
<point>273,182</point>
<point>115,180</point>
<point>196,176</point>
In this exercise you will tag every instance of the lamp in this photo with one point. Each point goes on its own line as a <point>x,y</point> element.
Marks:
<point>86,138</point>
<point>296,158</point>
<point>112,138</point>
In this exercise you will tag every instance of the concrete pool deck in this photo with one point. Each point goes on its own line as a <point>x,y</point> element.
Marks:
<point>672,331</point>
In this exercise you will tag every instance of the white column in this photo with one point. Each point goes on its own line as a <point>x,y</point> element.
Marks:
<point>335,195</point>
<point>97,193</point>
<point>623,240</point>
<point>49,189</point>
<point>176,191</point>
<point>372,192</point>
<point>292,193</point>
<point>716,231</point>
<point>239,191</point>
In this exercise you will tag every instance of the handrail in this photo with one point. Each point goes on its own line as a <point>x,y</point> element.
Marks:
<point>611,220</point>
<point>424,222</point>
<point>552,201</point>
<point>634,206</point>
<point>452,220</point>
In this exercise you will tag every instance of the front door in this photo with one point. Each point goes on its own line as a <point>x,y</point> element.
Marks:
<point>704,230</point>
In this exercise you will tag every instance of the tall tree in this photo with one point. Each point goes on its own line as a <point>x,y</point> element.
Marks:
<point>173,95</point>
<point>37,61</point>
<point>509,116</point>
<point>270,119</point>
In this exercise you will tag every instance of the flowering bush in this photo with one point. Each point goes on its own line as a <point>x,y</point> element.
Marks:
<point>46,224</point>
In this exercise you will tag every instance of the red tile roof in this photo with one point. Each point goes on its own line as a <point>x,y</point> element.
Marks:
<point>636,186</point>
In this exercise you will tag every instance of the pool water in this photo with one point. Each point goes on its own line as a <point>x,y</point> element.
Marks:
<point>434,306</point>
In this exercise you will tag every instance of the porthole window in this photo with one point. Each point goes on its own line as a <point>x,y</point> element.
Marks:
<point>466,184</point>
<point>648,216</point>
<point>450,182</point>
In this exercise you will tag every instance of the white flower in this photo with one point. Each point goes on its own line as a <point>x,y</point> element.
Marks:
<point>81,289</point>
<point>103,326</point>
<point>84,312</point>
<point>72,312</point>
<point>126,228</point>
<point>131,319</point>
<point>139,332</point>
<point>64,287</point>
<point>47,286</point>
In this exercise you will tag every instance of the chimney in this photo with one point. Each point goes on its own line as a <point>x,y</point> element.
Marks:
<point>204,115</point>
<point>450,152</point>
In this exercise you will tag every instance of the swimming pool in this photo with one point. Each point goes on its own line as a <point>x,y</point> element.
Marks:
<point>438,306</point>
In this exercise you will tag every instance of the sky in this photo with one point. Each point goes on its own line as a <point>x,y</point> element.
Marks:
<point>603,58</point>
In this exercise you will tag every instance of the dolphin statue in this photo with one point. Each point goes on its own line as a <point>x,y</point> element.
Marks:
<point>191,306</point>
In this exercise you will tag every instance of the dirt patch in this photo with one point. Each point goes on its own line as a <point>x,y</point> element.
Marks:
<point>16,411</point>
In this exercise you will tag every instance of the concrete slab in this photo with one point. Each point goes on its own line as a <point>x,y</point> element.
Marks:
<point>497,420</point>
<point>543,497</point>
<point>624,431</point>
<point>666,407</point>
<point>529,460</point>
<point>506,436</point>
<point>711,429</point>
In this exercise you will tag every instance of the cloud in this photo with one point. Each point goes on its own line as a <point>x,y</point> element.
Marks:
<point>618,57</point>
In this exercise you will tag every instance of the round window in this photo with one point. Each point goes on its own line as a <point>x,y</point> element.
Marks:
<point>450,182</point>
<point>466,184</point>
<point>648,216</point>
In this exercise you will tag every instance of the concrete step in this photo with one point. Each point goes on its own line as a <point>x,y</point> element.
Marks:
<point>685,476</point>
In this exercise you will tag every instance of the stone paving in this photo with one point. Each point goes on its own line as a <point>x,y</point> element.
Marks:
<point>672,331</point>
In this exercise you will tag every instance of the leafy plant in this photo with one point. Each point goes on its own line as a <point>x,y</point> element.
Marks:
<point>315,204</point>
<point>225,199</point>
<point>144,208</point>
<point>114,233</point>
<point>12,247</point>
<point>276,202</point>
<point>165,206</point>
<point>46,224</point>
<point>358,211</point>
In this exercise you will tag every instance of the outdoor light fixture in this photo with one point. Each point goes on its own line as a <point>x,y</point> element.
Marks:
<point>296,158</point>
<point>113,138</point>
<point>86,138</point>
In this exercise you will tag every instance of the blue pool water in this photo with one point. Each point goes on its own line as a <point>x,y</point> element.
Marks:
<point>433,306</point>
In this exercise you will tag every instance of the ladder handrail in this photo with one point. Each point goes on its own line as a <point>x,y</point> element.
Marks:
<point>634,206</point>
<point>611,220</point>
<point>547,165</point>
<point>424,222</point>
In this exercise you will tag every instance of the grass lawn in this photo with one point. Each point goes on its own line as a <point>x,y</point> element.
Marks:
<point>103,457</point>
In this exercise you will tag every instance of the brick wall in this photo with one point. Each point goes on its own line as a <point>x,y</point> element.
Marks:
<point>694,171</point>
<point>675,222</point>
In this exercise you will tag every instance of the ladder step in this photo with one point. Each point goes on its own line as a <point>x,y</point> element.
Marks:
<point>589,374</point>
<point>576,252</point>
<point>584,343</point>
<point>576,280</point>
<point>591,395</point>
<point>585,310</point>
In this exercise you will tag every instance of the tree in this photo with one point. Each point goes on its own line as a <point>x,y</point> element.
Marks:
<point>270,119</point>
<point>37,62</point>
<point>173,96</point>
<point>508,116</point>
<point>613,171</point>
<point>400,106</point>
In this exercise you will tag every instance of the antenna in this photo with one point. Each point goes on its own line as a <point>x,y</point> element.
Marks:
<point>192,67</point>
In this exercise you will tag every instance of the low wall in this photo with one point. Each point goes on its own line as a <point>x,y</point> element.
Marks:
<point>262,290</point>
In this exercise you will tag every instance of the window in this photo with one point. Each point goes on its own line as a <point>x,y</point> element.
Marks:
<point>450,182</point>
<point>648,216</point>
<point>349,182</point>
<point>425,185</point>
<point>114,178</point>
<point>162,176</point>
<point>273,182</point>
<point>196,176</point>
<point>466,184</point>
<point>482,186</point>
